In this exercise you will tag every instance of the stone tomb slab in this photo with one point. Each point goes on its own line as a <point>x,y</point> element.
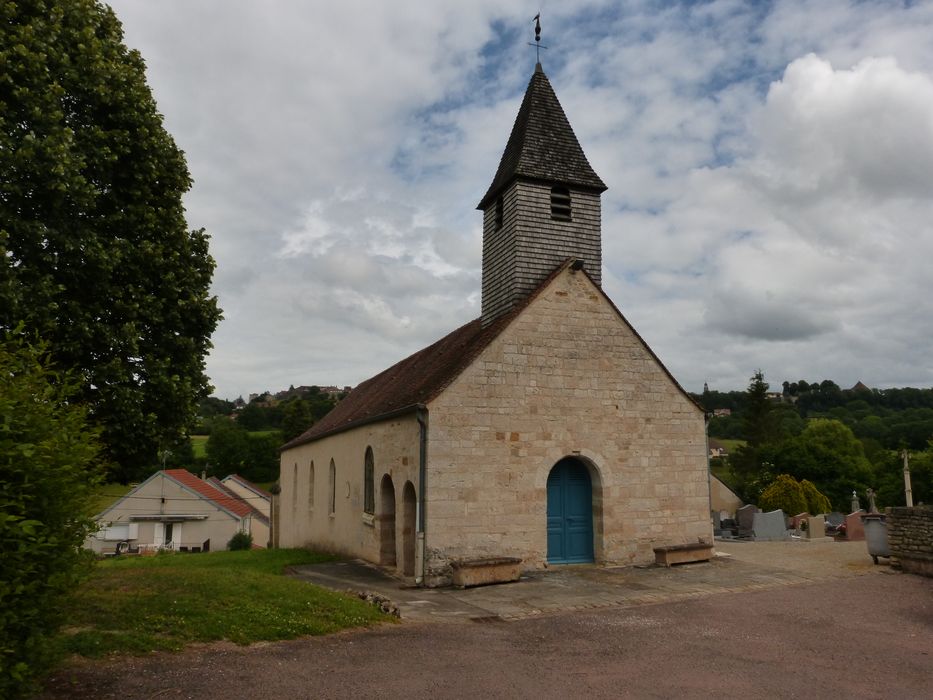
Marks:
<point>745,517</point>
<point>769,526</point>
<point>855,531</point>
<point>816,528</point>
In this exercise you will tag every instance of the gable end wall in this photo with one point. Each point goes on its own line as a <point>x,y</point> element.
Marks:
<point>568,377</point>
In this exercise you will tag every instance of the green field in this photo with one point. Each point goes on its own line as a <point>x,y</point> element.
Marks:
<point>199,446</point>
<point>730,445</point>
<point>134,605</point>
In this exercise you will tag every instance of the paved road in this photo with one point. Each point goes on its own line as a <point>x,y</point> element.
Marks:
<point>862,632</point>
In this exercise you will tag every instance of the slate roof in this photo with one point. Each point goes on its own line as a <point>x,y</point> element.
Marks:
<point>542,145</point>
<point>202,488</point>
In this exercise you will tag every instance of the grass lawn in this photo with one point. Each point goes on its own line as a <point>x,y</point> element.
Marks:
<point>724,474</point>
<point>199,446</point>
<point>730,445</point>
<point>140,604</point>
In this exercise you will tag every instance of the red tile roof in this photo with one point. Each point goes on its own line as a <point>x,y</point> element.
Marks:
<point>186,478</point>
<point>223,488</point>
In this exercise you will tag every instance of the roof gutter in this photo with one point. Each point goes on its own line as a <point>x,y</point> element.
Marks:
<point>353,424</point>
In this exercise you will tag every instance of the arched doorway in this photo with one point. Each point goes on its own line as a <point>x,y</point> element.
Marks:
<point>569,513</point>
<point>409,526</point>
<point>387,522</point>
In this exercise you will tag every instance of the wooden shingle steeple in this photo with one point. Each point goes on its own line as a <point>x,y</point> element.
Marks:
<point>543,204</point>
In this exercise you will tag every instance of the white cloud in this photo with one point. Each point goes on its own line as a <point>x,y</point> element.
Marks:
<point>768,167</point>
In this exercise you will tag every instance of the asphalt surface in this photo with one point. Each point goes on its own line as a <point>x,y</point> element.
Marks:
<point>830,625</point>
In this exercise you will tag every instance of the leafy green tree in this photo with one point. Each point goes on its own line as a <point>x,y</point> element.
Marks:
<point>262,458</point>
<point>296,419</point>
<point>816,502</point>
<point>227,447</point>
<point>828,454</point>
<point>785,494</point>
<point>48,466</point>
<point>889,477</point>
<point>95,255</point>
<point>255,417</point>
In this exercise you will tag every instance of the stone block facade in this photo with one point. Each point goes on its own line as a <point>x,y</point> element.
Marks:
<point>323,508</point>
<point>567,377</point>
<point>910,537</point>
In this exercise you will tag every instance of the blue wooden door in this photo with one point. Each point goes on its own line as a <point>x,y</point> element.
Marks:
<point>569,514</point>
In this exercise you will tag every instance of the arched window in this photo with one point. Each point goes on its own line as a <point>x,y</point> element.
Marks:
<point>311,486</point>
<point>332,506</point>
<point>369,486</point>
<point>560,203</point>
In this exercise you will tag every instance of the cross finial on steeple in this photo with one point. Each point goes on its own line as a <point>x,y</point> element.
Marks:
<point>537,44</point>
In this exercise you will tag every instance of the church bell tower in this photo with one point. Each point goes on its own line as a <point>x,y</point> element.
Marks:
<point>542,207</point>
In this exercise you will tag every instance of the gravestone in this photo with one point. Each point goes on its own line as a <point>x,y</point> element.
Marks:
<point>717,520</point>
<point>745,517</point>
<point>795,521</point>
<point>855,531</point>
<point>769,526</point>
<point>835,518</point>
<point>816,528</point>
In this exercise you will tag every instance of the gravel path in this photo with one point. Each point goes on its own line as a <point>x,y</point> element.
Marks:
<point>861,636</point>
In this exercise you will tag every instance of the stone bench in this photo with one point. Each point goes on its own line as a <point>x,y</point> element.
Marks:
<point>682,553</point>
<point>467,573</point>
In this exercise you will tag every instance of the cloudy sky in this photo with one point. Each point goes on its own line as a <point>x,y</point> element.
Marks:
<point>769,166</point>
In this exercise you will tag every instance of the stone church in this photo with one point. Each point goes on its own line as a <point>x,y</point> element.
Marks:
<point>545,430</point>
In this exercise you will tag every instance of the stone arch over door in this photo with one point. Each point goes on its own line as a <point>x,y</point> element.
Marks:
<point>387,556</point>
<point>409,527</point>
<point>571,513</point>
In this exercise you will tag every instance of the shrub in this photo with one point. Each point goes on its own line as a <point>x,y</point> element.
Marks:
<point>241,540</point>
<point>816,502</point>
<point>783,493</point>
<point>48,467</point>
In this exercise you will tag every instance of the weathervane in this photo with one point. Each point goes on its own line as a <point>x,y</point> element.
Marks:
<point>537,43</point>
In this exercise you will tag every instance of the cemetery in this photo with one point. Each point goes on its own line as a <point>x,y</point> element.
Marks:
<point>902,535</point>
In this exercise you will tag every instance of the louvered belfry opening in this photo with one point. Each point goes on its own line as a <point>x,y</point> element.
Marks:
<point>543,205</point>
<point>560,203</point>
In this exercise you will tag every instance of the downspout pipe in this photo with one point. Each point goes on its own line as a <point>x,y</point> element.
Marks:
<point>707,415</point>
<point>422,416</point>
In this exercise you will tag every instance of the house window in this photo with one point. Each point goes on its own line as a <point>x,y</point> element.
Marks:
<point>332,506</point>
<point>560,203</point>
<point>369,487</point>
<point>311,486</point>
<point>498,213</point>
